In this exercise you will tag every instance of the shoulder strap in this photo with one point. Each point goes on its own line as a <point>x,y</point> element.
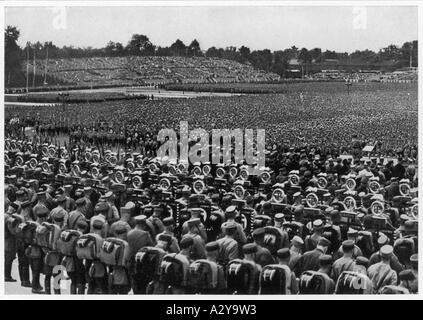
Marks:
<point>73,219</point>
<point>382,279</point>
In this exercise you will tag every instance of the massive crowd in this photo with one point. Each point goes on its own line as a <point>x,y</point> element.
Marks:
<point>149,70</point>
<point>405,76</point>
<point>384,117</point>
<point>322,217</point>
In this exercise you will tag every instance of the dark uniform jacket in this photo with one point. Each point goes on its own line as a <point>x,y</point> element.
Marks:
<point>308,261</point>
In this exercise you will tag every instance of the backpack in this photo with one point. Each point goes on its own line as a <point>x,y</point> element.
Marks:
<point>52,235</point>
<point>26,232</point>
<point>403,249</point>
<point>350,282</point>
<point>12,223</point>
<point>203,275</point>
<point>115,252</point>
<point>147,263</point>
<point>66,244</point>
<point>88,246</point>
<point>394,290</point>
<point>42,236</point>
<point>174,270</point>
<point>313,282</point>
<point>273,280</point>
<point>272,239</point>
<point>240,274</point>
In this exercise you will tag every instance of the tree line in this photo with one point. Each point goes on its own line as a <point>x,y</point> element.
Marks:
<point>270,61</point>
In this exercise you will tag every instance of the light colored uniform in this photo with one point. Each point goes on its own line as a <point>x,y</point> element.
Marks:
<point>382,275</point>
<point>228,250</point>
<point>341,265</point>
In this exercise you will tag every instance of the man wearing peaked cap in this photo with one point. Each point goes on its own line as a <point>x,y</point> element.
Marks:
<point>121,226</point>
<point>164,237</point>
<point>198,248</point>
<point>310,259</point>
<point>80,202</point>
<point>60,209</point>
<point>250,250</point>
<point>312,240</point>
<point>58,216</point>
<point>283,254</point>
<point>138,238</point>
<point>325,260</point>
<point>168,221</point>
<point>193,222</point>
<point>408,281</point>
<point>410,227</point>
<point>381,273</point>
<point>10,241</point>
<point>212,253</point>
<point>296,250</point>
<point>346,262</point>
<point>196,215</point>
<point>230,215</point>
<point>70,203</point>
<point>169,225</point>
<point>186,247</point>
<point>41,211</point>
<point>36,253</point>
<point>352,235</point>
<point>229,247</point>
<point>82,225</point>
<point>263,256</point>
<point>126,216</point>
<point>113,213</point>
<point>325,269</point>
<point>361,265</point>
<point>400,230</point>
<point>76,215</point>
<point>120,231</point>
<point>101,208</point>
<point>279,218</point>
<point>89,206</point>
<point>376,257</point>
<point>98,221</point>
<point>291,283</point>
<point>230,212</point>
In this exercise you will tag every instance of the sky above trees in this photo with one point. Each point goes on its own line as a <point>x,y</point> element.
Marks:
<point>341,29</point>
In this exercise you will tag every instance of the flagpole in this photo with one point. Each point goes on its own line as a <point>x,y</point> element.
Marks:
<point>33,72</point>
<point>27,67</point>
<point>45,71</point>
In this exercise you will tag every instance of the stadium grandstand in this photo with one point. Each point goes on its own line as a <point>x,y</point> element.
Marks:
<point>147,70</point>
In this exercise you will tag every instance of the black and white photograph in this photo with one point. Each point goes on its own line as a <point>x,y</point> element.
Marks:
<point>230,149</point>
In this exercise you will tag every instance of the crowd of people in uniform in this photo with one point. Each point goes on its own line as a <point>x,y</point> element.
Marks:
<point>322,217</point>
<point>287,231</point>
<point>384,117</point>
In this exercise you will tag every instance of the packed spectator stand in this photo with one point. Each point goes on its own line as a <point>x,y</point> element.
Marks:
<point>148,70</point>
